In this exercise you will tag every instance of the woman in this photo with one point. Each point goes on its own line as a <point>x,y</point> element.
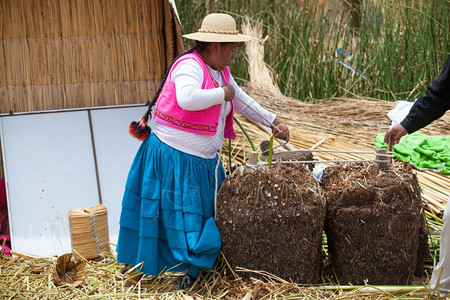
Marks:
<point>167,218</point>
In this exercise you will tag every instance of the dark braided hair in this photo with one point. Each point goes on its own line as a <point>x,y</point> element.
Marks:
<point>140,129</point>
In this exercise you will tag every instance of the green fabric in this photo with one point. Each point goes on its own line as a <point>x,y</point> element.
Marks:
<point>424,151</point>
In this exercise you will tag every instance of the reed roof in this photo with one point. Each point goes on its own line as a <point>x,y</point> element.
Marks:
<point>70,53</point>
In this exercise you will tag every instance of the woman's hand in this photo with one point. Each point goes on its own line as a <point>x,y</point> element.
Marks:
<point>283,132</point>
<point>229,92</point>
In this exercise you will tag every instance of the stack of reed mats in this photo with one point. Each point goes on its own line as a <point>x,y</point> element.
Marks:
<point>89,231</point>
<point>272,219</point>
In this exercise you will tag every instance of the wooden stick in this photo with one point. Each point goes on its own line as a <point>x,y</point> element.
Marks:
<point>382,159</point>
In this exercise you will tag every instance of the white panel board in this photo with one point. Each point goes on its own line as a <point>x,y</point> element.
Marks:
<point>49,169</point>
<point>115,150</point>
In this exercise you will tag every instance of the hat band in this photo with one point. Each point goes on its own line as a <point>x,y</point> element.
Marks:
<point>218,31</point>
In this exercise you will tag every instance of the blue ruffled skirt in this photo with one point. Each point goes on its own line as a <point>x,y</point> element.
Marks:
<point>167,217</point>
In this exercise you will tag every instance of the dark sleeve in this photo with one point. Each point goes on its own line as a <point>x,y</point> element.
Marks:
<point>431,106</point>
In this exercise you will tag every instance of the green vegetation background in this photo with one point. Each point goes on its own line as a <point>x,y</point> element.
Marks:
<point>400,46</point>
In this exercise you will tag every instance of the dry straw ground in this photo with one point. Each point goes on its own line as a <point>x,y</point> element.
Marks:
<point>25,278</point>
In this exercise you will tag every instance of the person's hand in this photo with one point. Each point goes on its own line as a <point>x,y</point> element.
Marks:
<point>393,136</point>
<point>229,92</point>
<point>283,132</point>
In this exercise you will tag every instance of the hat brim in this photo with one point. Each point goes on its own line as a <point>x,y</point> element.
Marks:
<point>218,37</point>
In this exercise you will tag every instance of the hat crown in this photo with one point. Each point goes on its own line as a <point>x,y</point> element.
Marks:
<point>220,23</point>
<point>218,27</point>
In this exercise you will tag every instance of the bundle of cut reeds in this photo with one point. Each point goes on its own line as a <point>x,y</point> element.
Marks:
<point>89,231</point>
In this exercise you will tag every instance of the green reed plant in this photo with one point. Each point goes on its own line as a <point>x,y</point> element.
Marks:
<point>400,46</point>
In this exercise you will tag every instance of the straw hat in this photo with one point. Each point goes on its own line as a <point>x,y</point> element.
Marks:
<point>218,28</point>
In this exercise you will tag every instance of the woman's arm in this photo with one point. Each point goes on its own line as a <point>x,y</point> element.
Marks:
<point>258,113</point>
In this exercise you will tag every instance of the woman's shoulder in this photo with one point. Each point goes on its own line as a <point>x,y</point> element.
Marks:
<point>188,67</point>
<point>189,64</point>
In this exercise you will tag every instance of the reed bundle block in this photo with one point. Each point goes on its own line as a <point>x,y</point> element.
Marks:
<point>272,219</point>
<point>375,224</point>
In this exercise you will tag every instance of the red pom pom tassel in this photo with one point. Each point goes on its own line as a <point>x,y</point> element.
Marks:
<point>139,130</point>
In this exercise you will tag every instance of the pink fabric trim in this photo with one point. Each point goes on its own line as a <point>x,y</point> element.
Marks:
<point>169,113</point>
<point>7,250</point>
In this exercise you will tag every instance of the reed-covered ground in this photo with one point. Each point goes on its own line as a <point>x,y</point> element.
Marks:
<point>398,46</point>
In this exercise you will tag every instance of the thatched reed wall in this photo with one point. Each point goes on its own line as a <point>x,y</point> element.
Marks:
<point>78,53</point>
<point>57,54</point>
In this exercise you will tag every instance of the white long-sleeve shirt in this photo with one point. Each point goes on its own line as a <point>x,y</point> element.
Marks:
<point>188,79</point>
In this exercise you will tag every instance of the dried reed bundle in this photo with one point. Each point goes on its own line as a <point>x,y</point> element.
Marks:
<point>89,231</point>
<point>260,74</point>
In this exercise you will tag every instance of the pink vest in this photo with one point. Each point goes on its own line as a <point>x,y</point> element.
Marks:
<point>169,113</point>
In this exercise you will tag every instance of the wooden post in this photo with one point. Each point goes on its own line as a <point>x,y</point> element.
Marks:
<point>382,159</point>
<point>253,158</point>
